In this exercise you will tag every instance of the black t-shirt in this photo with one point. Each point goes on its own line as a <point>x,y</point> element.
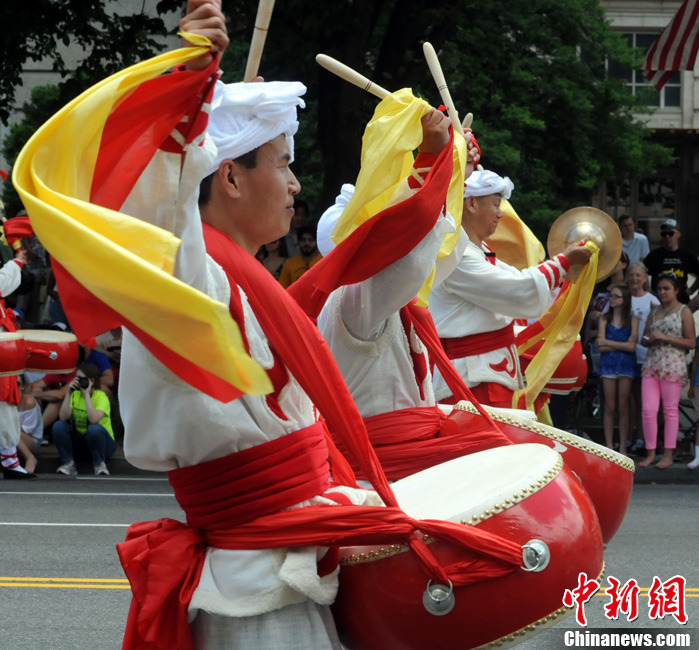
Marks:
<point>680,262</point>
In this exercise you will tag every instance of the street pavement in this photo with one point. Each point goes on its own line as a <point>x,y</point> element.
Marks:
<point>61,585</point>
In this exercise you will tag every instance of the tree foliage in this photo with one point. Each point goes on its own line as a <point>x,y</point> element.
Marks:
<point>531,71</point>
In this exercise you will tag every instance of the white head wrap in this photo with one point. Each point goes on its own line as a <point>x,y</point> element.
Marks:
<point>330,217</point>
<point>486,182</point>
<point>245,116</point>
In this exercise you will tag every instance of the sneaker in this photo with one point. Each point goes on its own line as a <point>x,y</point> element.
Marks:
<point>639,445</point>
<point>101,470</point>
<point>694,464</point>
<point>69,469</point>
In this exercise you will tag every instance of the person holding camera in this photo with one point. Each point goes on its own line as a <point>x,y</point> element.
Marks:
<point>84,423</point>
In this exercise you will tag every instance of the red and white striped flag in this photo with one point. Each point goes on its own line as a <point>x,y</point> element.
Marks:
<point>676,47</point>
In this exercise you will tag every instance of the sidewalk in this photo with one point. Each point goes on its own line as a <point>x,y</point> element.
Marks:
<point>119,466</point>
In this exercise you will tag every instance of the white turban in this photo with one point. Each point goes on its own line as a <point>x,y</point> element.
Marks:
<point>330,217</point>
<point>245,116</point>
<point>486,182</point>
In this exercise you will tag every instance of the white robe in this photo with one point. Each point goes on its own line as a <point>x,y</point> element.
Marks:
<point>481,297</point>
<point>10,279</point>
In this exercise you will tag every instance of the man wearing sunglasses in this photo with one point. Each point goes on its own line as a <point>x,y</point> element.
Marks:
<point>670,258</point>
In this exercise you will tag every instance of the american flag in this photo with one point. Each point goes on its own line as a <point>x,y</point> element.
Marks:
<point>676,47</point>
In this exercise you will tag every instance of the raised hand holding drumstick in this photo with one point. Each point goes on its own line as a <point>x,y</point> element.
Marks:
<point>205,18</point>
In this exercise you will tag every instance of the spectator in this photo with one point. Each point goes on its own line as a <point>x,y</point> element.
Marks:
<point>670,258</point>
<point>299,220</point>
<point>49,391</point>
<point>634,244</point>
<point>693,394</point>
<point>101,360</point>
<point>295,267</point>
<point>84,423</point>
<point>599,302</point>
<point>29,411</point>
<point>642,301</point>
<point>274,257</point>
<point>669,334</point>
<point>616,340</point>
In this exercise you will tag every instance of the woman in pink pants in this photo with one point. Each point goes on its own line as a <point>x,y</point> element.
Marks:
<point>669,334</point>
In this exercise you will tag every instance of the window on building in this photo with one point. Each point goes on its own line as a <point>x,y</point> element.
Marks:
<point>668,97</point>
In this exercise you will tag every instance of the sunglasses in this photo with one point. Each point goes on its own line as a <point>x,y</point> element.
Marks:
<point>616,295</point>
<point>667,233</point>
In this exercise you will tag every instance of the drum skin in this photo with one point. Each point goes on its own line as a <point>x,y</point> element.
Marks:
<point>12,353</point>
<point>606,474</point>
<point>379,603</point>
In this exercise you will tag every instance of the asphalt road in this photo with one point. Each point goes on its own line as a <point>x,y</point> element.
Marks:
<point>61,585</point>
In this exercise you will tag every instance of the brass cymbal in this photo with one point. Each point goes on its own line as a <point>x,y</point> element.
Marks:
<point>592,224</point>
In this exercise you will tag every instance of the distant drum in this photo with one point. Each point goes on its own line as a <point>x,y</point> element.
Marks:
<point>606,474</point>
<point>45,351</point>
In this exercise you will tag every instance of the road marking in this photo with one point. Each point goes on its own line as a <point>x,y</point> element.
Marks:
<point>65,583</point>
<point>94,494</point>
<point>39,523</point>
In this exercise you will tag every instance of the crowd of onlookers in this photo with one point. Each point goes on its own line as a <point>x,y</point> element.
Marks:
<point>640,338</point>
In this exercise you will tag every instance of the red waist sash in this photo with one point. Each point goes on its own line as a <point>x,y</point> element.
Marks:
<point>412,439</point>
<point>468,346</point>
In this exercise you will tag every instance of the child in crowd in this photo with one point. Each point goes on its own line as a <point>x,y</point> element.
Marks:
<point>616,340</point>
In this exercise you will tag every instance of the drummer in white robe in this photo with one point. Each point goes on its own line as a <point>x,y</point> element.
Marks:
<point>273,596</point>
<point>474,308</point>
<point>10,431</point>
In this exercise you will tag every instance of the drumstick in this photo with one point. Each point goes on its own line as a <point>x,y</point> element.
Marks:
<point>346,73</point>
<point>438,76</point>
<point>264,15</point>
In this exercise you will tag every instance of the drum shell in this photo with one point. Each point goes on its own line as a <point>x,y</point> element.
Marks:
<point>13,353</point>
<point>379,603</point>
<point>63,345</point>
<point>606,475</point>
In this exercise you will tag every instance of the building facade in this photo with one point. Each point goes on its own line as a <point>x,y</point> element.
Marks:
<point>672,192</point>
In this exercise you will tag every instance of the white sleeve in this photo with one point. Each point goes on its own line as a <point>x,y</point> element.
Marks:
<point>500,288</point>
<point>366,305</point>
<point>10,278</point>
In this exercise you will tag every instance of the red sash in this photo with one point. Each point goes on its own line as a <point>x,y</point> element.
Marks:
<point>473,344</point>
<point>409,440</point>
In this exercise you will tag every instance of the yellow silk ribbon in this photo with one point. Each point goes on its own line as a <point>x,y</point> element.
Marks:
<point>513,242</point>
<point>390,138</point>
<point>561,325</point>
<point>126,263</point>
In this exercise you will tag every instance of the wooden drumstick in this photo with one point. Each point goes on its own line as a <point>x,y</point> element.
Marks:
<point>438,76</point>
<point>346,73</point>
<point>264,15</point>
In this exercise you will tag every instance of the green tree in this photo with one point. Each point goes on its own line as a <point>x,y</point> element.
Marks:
<point>42,31</point>
<point>531,71</point>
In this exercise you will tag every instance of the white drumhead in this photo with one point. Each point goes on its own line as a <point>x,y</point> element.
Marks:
<point>465,487</point>
<point>9,336</point>
<point>48,336</point>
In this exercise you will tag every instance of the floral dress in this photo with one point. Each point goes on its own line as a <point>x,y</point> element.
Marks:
<point>666,362</point>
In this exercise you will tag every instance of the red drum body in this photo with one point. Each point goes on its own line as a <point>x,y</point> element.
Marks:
<point>520,492</point>
<point>12,354</point>
<point>606,475</point>
<point>570,374</point>
<point>38,351</point>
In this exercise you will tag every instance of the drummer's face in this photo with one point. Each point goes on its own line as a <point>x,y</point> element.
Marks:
<point>487,215</point>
